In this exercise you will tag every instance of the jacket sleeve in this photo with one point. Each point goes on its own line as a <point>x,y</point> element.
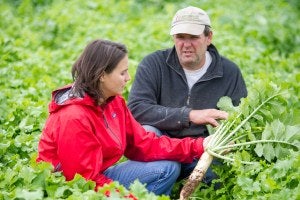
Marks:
<point>143,100</point>
<point>146,146</point>
<point>78,150</point>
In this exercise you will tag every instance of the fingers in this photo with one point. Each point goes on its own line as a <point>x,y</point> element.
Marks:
<point>207,116</point>
<point>212,122</point>
<point>221,114</point>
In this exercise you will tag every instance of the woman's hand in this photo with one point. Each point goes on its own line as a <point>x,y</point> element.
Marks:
<point>206,141</point>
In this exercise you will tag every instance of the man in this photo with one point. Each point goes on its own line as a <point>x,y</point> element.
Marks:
<point>176,90</point>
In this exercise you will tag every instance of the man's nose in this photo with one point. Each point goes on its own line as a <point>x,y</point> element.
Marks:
<point>187,42</point>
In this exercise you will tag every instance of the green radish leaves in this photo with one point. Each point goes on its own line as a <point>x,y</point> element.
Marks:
<point>279,132</point>
<point>255,125</point>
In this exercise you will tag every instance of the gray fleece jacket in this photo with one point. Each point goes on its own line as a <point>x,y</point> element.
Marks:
<point>160,95</point>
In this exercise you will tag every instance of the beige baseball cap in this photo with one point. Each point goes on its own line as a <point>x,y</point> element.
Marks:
<point>189,20</point>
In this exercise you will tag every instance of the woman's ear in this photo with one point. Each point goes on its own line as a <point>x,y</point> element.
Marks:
<point>102,77</point>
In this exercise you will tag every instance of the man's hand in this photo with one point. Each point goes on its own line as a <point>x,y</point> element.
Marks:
<point>207,116</point>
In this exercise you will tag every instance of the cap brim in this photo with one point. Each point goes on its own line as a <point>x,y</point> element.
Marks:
<point>192,29</point>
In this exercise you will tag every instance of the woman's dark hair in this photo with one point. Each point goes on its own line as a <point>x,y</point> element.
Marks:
<point>98,57</point>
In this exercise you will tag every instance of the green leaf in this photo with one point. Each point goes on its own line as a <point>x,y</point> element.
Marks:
<point>259,149</point>
<point>138,188</point>
<point>248,184</point>
<point>29,195</point>
<point>225,103</point>
<point>281,151</point>
<point>292,133</point>
<point>268,152</point>
<point>63,192</point>
<point>278,130</point>
<point>267,133</point>
<point>245,156</point>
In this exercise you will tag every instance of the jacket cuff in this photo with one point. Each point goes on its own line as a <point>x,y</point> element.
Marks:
<point>186,117</point>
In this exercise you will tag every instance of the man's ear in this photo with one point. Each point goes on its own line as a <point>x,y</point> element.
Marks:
<point>210,36</point>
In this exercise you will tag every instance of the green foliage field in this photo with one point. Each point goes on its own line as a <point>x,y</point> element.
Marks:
<point>40,40</point>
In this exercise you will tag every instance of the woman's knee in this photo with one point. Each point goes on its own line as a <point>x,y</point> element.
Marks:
<point>172,168</point>
<point>163,181</point>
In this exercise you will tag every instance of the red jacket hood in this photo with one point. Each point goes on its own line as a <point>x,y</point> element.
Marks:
<point>55,105</point>
<point>63,92</point>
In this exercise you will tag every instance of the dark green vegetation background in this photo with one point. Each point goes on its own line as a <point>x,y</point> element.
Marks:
<point>40,40</point>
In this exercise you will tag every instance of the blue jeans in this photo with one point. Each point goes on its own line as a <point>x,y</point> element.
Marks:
<point>159,176</point>
<point>187,168</point>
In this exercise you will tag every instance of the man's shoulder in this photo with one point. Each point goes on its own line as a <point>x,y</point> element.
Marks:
<point>229,67</point>
<point>227,63</point>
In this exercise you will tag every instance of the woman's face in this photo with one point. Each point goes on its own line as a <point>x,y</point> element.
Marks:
<point>113,84</point>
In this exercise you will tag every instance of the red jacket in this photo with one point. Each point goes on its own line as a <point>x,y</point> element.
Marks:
<point>81,137</point>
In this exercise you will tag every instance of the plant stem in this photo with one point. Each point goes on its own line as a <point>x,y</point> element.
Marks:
<point>250,143</point>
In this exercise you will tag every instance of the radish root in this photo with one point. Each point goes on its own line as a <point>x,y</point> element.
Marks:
<point>196,176</point>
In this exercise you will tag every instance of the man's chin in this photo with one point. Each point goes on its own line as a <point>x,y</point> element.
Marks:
<point>187,63</point>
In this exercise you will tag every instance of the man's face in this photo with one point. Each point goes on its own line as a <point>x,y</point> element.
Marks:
<point>191,49</point>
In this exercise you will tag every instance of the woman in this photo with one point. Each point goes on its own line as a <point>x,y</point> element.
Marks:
<point>90,128</point>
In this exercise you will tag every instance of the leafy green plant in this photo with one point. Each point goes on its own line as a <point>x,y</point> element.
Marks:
<point>255,122</point>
